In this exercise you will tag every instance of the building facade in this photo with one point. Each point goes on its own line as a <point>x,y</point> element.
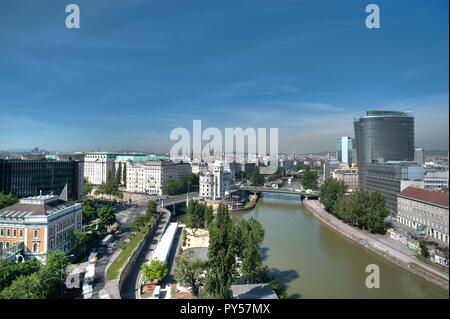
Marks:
<point>390,177</point>
<point>436,180</point>
<point>199,167</point>
<point>344,150</point>
<point>40,224</point>
<point>26,178</point>
<point>383,135</point>
<point>99,166</point>
<point>214,185</point>
<point>419,156</point>
<point>150,177</point>
<point>348,176</point>
<point>424,211</point>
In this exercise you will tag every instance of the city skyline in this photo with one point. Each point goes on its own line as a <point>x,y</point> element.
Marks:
<point>135,71</point>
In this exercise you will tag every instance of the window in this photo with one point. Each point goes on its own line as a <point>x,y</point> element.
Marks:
<point>8,232</point>
<point>35,247</point>
<point>36,233</point>
<point>2,232</point>
<point>15,233</point>
<point>21,233</point>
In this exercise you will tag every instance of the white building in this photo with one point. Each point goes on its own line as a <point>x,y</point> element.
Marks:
<point>199,167</point>
<point>150,177</point>
<point>425,211</point>
<point>213,185</point>
<point>435,180</point>
<point>348,176</point>
<point>98,166</point>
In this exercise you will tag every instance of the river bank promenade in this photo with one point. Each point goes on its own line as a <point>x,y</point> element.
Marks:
<point>381,245</point>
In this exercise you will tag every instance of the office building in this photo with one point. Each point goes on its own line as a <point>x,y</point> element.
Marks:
<point>424,211</point>
<point>390,178</point>
<point>150,177</point>
<point>344,146</point>
<point>199,167</point>
<point>419,156</point>
<point>436,180</point>
<point>38,225</point>
<point>26,178</point>
<point>214,185</point>
<point>328,167</point>
<point>383,135</point>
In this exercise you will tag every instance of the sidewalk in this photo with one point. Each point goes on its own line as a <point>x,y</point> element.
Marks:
<point>380,245</point>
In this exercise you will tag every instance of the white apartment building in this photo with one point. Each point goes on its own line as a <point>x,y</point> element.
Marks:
<point>41,224</point>
<point>213,185</point>
<point>199,167</point>
<point>425,211</point>
<point>98,166</point>
<point>150,177</point>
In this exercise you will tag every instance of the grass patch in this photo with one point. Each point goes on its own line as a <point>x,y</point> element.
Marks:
<point>116,266</point>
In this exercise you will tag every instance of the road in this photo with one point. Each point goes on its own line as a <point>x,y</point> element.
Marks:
<point>104,253</point>
<point>132,283</point>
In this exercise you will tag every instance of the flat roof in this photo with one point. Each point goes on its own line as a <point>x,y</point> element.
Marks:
<point>162,250</point>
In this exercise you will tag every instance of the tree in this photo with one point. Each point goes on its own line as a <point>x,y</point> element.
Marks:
<point>190,180</point>
<point>221,255</point>
<point>106,215</point>
<point>189,270</point>
<point>25,287</point>
<point>424,251</point>
<point>79,242</point>
<point>7,200</point>
<point>170,188</point>
<point>124,174</point>
<point>250,236</point>
<point>195,214</point>
<point>256,178</point>
<point>151,211</point>
<point>309,179</point>
<point>154,270</point>
<point>53,274</point>
<point>377,213</point>
<point>87,187</point>
<point>119,174</point>
<point>330,192</point>
<point>10,271</point>
<point>110,187</point>
<point>209,215</point>
<point>89,210</point>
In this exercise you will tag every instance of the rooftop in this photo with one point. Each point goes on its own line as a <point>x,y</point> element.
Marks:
<point>43,205</point>
<point>431,197</point>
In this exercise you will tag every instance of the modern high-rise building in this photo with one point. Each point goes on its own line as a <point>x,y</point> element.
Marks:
<point>344,147</point>
<point>419,156</point>
<point>26,178</point>
<point>383,135</point>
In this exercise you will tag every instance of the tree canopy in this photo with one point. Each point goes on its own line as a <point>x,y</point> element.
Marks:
<point>154,270</point>
<point>189,271</point>
<point>7,200</point>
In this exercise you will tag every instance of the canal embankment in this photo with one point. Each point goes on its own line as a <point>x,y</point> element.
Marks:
<point>378,247</point>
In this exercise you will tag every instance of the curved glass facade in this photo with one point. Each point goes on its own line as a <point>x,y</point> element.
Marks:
<point>383,135</point>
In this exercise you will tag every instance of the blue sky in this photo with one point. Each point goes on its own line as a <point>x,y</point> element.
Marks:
<point>137,69</point>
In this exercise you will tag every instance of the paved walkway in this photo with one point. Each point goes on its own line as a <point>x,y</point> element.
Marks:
<point>382,245</point>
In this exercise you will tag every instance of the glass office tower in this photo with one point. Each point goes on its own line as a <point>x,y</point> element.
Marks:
<point>383,136</point>
<point>344,146</point>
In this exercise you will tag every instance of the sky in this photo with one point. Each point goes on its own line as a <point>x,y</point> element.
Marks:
<point>136,69</point>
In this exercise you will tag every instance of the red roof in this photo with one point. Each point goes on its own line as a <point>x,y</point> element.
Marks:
<point>432,197</point>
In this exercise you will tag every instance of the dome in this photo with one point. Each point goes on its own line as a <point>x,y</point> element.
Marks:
<point>217,163</point>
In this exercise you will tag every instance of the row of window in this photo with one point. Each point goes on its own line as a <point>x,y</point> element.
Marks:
<point>11,232</point>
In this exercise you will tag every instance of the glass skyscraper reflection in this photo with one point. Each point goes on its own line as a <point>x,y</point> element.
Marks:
<point>383,136</point>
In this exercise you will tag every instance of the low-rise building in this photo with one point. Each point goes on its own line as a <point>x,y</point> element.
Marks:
<point>40,223</point>
<point>425,211</point>
<point>348,176</point>
<point>435,180</point>
<point>213,185</point>
<point>199,167</point>
<point>150,177</point>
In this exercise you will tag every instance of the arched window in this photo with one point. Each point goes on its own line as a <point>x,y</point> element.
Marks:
<point>35,247</point>
<point>7,246</point>
<point>1,245</point>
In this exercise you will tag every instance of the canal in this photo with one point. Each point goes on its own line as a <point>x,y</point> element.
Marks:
<point>313,261</point>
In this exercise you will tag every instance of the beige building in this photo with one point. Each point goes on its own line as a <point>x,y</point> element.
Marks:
<point>98,166</point>
<point>348,176</point>
<point>40,224</point>
<point>150,177</point>
<point>425,211</point>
